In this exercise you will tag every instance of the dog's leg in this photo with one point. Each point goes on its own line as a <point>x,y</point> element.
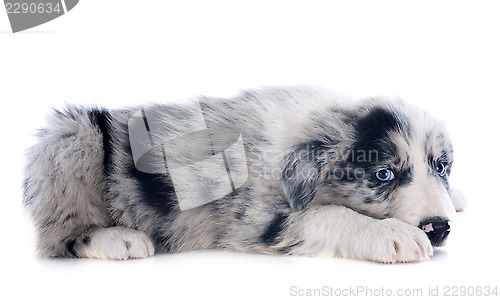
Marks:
<point>113,243</point>
<point>339,231</point>
<point>66,193</point>
<point>458,199</point>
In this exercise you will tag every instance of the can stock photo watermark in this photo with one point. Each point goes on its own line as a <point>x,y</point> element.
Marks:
<point>204,162</point>
<point>385,291</point>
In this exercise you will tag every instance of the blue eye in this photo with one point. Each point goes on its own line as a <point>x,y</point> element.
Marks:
<point>441,169</point>
<point>384,175</point>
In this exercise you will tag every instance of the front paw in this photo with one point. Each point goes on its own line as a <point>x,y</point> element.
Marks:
<point>392,241</point>
<point>458,199</point>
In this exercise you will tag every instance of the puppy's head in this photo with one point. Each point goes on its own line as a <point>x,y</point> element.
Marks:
<point>382,159</point>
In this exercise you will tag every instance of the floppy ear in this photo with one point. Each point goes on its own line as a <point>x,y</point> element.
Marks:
<point>303,169</point>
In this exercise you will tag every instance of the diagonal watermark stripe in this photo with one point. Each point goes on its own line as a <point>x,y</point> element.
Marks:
<point>204,161</point>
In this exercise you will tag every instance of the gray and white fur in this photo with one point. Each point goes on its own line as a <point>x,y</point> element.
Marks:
<point>326,176</point>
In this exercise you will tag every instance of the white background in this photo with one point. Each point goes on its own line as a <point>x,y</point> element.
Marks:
<point>440,55</point>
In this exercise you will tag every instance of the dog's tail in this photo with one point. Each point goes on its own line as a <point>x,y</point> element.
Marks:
<point>65,177</point>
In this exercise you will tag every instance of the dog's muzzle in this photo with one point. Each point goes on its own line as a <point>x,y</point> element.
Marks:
<point>437,229</point>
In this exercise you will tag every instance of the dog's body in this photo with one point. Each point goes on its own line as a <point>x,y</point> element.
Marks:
<point>361,180</point>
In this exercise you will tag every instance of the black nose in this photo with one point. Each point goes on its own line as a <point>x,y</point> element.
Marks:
<point>437,229</point>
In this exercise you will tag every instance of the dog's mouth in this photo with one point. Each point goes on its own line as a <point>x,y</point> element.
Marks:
<point>437,230</point>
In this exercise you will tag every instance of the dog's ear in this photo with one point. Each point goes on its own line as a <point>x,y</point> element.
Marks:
<point>303,169</point>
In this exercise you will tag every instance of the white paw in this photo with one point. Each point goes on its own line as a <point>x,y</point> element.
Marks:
<point>116,243</point>
<point>458,199</point>
<point>391,241</point>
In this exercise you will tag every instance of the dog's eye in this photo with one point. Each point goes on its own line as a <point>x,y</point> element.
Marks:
<point>384,175</point>
<point>441,169</point>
